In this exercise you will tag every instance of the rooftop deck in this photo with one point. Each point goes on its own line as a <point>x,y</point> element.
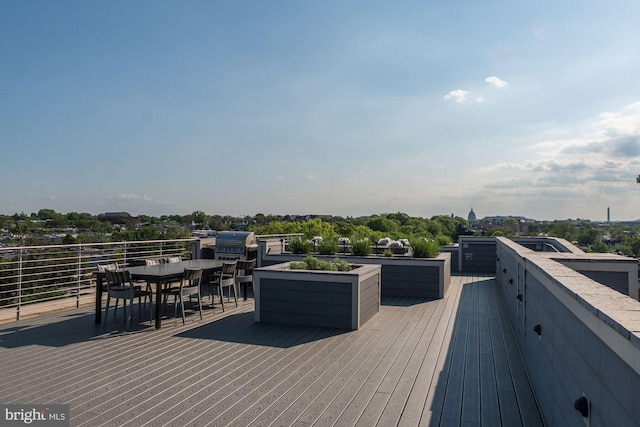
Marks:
<point>447,362</point>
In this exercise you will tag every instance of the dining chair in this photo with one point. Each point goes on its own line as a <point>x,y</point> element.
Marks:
<point>172,259</point>
<point>156,261</point>
<point>244,275</point>
<point>189,286</point>
<point>102,268</point>
<point>121,287</point>
<point>226,279</point>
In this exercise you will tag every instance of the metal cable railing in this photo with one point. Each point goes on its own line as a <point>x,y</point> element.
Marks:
<point>38,274</point>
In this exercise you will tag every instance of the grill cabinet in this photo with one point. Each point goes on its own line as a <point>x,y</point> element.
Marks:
<point>236,245</point>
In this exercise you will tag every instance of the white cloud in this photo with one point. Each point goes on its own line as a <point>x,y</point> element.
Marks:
<point>495,81</point>
<point>581,170</point>
<point>458,95</point>
<point>136,197</point>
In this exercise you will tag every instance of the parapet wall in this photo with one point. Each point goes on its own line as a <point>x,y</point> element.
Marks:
<point>577,337</point>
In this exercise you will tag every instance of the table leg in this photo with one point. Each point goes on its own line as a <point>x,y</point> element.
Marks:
<point>158,304</point>
<point>98,299</point>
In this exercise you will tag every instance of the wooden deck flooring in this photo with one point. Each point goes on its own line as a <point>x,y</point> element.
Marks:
<point>448,362</point>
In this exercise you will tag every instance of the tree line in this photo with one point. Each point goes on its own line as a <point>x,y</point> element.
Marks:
<point>90,228</point>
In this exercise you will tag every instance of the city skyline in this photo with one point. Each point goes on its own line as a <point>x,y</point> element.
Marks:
<point>351,109</point>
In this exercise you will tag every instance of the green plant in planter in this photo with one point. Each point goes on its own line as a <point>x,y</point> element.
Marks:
<point>361,247</point>
<point>425,248</point>
<point>300,246</point>
<point>388,253</point>
<point>328,246</point>
<point>313,263</point>
<point>443,240</point>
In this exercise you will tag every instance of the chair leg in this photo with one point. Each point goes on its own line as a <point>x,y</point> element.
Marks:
<point>221,297</point>
<point>235,293</point>
<point>131,311</point>
<point>175,305</point>
<point>182,307</point>
<point>200,304</point>
<point>106,313</point>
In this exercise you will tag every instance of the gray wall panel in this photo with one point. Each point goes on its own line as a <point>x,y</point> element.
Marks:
<point>616,280</point>
<point>569,358</point>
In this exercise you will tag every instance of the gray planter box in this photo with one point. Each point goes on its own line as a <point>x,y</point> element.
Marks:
<point>401,276</point>
<point>336,299</point>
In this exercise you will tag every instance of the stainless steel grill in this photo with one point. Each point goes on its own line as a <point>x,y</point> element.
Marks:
<point>236,245</point>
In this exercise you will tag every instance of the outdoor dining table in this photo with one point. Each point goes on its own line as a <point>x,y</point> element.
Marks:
<point>158,274</point>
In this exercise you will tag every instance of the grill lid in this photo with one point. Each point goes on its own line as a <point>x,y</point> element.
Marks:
<point>235,238</point>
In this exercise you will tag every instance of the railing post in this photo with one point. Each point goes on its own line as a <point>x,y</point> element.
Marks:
<point>79,274</point>
<point>19,286</point>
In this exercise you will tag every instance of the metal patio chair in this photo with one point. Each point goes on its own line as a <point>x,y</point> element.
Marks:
<point>121,287</point>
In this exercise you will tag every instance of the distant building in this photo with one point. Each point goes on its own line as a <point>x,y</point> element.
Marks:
<point>118,218</point>
<point>472,216</point>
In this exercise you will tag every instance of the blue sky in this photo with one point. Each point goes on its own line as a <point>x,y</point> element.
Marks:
<point>345,108</point>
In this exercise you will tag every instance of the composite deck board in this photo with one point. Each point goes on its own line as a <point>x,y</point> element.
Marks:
<point>526,405</point>
<point>508,402</point>
<point>489,404</point>
<point>384,379</point>
<point>328,392</point>
<point>432,412</point>
<point>418,407</point>
<point>452,380</point>
<point>403,381</point>
<point>302,387</point>
<point>471,398</point>
<point>452,361</point>
<point>350,403</point>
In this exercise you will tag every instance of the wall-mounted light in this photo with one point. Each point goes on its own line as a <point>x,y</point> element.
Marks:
<point>538,329</point>
<point>519,297</point>
<point>497,258</point>
<point>511,281</point>
<point>582,405</point>
<point>504,270</point>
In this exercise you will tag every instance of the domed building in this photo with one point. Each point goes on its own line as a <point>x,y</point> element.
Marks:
<point>472,216</point>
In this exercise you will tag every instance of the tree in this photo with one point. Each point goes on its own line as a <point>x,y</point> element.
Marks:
<point>599,246</point>
<point>200,218</point>
<point>317,227</point>
<point>385,225</point>
<point>174,231</point>
<point>588,236</point>
<point>69,239</point>
<point>563,230</point>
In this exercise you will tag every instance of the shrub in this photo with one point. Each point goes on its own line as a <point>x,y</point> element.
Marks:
<point>443,240</point>
<point>425,248</point>
<point>300,246</point>
<point>313,263</point>
<point>328,247</point>
<point>388,253</point>
<point>298,265</point>
<point>361,247</point>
